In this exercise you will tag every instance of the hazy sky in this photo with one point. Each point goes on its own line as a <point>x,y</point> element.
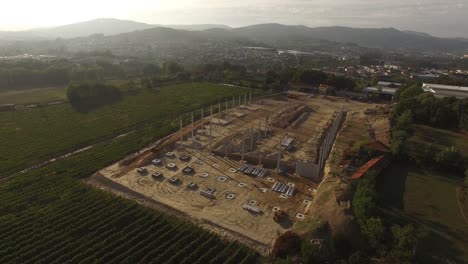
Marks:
<point>438,17</point>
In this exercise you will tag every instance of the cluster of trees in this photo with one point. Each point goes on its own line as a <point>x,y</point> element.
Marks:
<point>90,95</point>
<point>415,106</point>
<point>446,113</point>
<point>397,244</point>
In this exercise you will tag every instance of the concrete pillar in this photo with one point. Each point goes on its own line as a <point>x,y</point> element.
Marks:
<point>243,149</point>
<point>202,118</point>
<point>251,139</point>
<point>192,128</point>
<point>210,138</point>
<point>181,134</point>
<point>279,158</point>
<point>225,149</point>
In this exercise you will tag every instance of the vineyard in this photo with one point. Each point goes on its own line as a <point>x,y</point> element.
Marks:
<point>33,135</point>
<point>48,215</point>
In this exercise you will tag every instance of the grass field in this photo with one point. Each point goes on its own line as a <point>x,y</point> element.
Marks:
<point>437,138</point>
<point>48,215</point>
<point>33,135</point>
<point>39,95</point>
<point>428,200</point>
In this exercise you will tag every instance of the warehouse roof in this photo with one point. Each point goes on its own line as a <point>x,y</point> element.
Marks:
<point>381,90</point>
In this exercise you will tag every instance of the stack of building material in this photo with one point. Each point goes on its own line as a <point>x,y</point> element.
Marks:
<point>253,170</point>
<point>283,188</point>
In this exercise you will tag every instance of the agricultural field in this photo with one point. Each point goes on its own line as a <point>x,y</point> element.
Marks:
<point>429,201</point>
<point>30,96</point>
<point>437,138</point>
<point>48,215</point>
<point>34,135</point>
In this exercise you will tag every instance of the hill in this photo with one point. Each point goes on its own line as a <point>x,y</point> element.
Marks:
<point>383,38</point>
<point>105,26</point>
<point>274,35</point>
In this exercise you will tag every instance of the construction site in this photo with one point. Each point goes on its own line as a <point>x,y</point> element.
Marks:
<point>249,166</point>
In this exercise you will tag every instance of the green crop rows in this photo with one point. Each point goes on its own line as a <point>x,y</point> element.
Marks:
<point>34,135</point>
<point>48,215</point>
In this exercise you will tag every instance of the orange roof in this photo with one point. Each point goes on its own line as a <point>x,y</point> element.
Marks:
<point>371,164</point>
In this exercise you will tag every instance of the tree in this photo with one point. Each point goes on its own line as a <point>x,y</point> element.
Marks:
<point>404,120</point>
<point>171,68</point>
<point>364,200</point>
<point>405,241</point>
<point>374,230</point>
<point>87,96</point>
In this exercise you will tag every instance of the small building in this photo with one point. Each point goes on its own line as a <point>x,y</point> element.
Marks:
<point>441,90</point>
<point>326,89</point>
<point>383,92</point>
<point>7,107</point>
<point>388,84</point>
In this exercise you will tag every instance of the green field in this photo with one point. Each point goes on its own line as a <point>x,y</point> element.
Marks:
<point>48,215</point>
<point>39,95</point>
<point>33,135</point>
<point>428,200</point>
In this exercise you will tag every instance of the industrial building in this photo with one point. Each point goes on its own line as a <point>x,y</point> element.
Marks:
<point>440,90</point>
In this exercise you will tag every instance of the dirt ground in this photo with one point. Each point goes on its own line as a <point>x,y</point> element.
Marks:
<point>221,214</point>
